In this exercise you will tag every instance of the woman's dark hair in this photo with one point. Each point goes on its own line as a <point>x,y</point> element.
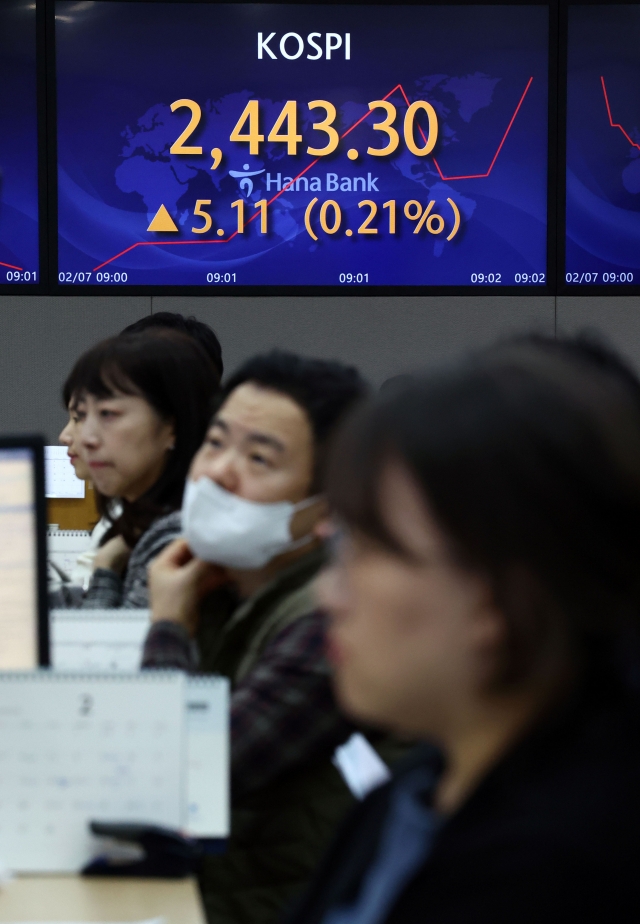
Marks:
<point>325,390</point>
<point>171,320</point>
<point>172,372</point>
<point>528,457</point>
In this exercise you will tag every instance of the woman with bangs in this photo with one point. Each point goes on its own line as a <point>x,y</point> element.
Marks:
<point>82,571</point>
<point>485,597</point>
<point>142,404</point>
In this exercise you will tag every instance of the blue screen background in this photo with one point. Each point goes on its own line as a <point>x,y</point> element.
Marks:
<point>603,161</point>
<point>121,65</point>
<point>18,144</point>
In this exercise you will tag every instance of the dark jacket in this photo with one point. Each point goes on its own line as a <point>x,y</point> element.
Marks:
<point>287,796</point>
<point>551,834</point>
<point>281,828</point>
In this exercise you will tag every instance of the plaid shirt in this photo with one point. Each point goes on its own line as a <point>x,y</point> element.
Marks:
<point>283,712</point>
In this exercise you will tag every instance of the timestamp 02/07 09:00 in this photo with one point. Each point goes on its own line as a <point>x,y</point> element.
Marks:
<point>592,278</point>
<point>69,278</point>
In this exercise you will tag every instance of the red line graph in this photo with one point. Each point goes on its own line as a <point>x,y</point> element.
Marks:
<point>473,176</point>
<point>611,122</point>
<point>11,266</point>
<point>481,176</point>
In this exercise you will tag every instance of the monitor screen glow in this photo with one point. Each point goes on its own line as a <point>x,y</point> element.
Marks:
<point>18,561</point>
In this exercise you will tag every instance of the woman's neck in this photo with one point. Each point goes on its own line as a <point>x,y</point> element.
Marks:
<point>487,733</point>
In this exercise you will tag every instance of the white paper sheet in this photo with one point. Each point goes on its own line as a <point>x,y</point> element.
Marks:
<point>60,477</point>
<point>98,640</point>
<point>207,714</point>
<point>361,767</point>
<point>147,921</point>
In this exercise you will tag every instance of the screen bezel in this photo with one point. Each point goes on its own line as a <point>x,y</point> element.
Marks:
<point>564,288</point>
<point>526,291</point>
<point>35,444</point>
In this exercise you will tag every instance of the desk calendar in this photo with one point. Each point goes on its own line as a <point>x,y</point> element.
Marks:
<point>75,748</point>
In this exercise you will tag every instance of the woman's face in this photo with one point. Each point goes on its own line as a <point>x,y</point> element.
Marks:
<point>124,442</point>
<point>412,637</point>
<point>70,437</point>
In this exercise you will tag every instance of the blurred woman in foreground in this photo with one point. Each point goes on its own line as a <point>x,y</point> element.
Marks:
<point>486,598</point>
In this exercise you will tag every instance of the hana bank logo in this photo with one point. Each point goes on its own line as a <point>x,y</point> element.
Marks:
<point>246,183</point>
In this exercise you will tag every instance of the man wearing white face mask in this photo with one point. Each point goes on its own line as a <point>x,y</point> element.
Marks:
<point>236,597</point>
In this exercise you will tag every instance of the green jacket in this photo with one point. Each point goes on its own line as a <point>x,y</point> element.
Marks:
<point>279,831</point>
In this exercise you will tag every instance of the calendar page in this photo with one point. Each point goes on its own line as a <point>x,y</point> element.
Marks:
<point>207,717</point>
<point>98,641</point>
<point>75,748</point>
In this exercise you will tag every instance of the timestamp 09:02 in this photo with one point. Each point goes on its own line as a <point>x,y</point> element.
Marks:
<point>519,278</point>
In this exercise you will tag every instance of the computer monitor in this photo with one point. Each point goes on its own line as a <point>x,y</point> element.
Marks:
<point>24,636</point>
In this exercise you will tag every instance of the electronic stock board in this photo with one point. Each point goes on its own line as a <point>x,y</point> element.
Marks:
<point>19,197</point>
<point>285,145</point>
<point>603,146</point>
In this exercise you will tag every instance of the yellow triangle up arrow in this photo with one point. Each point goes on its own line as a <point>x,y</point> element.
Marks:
<point>162,221</point>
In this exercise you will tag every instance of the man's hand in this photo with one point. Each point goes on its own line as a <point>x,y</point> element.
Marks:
<point>177,583</point>
<point>113,555</point>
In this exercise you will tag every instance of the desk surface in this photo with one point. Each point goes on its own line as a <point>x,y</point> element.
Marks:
<point>74,898</point>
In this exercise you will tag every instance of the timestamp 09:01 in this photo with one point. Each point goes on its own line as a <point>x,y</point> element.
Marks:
<point>358,278</point>
<point>22,276</point>
<point>221,277</point>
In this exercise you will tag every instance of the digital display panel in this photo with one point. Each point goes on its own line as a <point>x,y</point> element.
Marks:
<point>603,146</point>
<point>18,561</point>
<point>301,145</point>
<point>19,235</point>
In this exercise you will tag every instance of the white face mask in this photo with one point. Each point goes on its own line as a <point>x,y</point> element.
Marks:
<point>231,531</point>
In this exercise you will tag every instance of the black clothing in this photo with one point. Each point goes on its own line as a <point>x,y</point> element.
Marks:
<point>552,833</point>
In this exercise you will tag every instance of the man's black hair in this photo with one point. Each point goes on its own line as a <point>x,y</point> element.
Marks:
<point>326,390</point>
<point>191,326</point>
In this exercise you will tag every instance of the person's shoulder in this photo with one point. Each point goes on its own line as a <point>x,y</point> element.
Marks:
<point>291,598</point>
<point>298,604</point>
<point>551,833</point>
<point>572,802</point>
<point>161,532</point>
<point>598,777</point>
<point>596,766</point>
